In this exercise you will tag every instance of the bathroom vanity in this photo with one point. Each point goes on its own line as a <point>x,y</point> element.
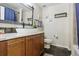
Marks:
<point>21,44</point>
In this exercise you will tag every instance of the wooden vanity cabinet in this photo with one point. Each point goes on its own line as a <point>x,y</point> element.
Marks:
<point>16,47</point>
<point>32,45</point>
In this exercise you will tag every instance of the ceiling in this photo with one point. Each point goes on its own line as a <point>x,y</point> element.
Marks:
<point>47,4</point>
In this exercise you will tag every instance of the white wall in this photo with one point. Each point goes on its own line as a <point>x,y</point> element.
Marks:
<point>60,27</point>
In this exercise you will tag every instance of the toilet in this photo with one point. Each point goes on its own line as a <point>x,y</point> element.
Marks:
<point>47,42</point>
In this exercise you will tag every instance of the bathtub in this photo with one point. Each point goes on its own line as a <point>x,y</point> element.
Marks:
<point>76,50</point>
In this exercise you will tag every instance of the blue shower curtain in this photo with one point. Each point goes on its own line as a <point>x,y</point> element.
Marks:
<point>77,17</point>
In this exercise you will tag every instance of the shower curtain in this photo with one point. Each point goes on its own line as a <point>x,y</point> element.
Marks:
<point>77,18</point>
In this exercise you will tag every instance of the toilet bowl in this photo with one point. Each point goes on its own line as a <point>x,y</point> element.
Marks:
<point>48,42</point>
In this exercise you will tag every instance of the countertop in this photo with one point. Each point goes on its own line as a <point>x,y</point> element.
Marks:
<point>16,35</point>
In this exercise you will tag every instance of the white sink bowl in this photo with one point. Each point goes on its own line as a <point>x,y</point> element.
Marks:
<point>27,30</point>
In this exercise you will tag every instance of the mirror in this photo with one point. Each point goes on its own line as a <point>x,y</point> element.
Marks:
<point>24,15</point>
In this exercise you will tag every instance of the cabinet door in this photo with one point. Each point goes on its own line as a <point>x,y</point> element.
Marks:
<point>3,49</point>
<point>35,45</point>
<point>38,44</point>
<point>29,47</point>
<point>41,39</point>
<point>16,47</point>
<point>32,46</point>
